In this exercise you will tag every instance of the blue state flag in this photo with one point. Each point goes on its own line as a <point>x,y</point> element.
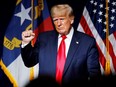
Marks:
<point>28,14</point>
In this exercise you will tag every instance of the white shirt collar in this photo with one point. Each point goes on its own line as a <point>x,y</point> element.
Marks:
<point>70,34</point>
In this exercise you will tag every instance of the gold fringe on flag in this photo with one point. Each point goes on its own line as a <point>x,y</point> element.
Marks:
<point>32,73</point>
<point>8,74</point>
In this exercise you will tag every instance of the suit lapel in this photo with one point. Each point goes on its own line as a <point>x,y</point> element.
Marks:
<point>53,44</point>
<point>72,49</point>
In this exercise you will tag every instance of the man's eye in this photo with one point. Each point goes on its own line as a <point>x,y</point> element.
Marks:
<point>62,19</point>
<point>55,20</point>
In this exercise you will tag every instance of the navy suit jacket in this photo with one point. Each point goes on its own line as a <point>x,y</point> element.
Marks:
<point>82,59</point>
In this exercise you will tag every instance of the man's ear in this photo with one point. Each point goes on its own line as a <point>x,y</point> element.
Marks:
<point>72,21</point>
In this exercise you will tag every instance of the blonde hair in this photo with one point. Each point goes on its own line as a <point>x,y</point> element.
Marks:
<point>61,10</point>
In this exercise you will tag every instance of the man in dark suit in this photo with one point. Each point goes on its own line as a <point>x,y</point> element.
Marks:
<point>82,58</point>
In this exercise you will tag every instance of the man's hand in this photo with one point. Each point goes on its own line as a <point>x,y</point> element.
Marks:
<point>27,36</point>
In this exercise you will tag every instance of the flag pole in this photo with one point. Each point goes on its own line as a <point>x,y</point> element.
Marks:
<point>32,28</point>
<point>107,66</point>
<point>32,17</point>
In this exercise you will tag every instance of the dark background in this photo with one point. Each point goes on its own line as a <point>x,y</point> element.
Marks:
<point>6,11</point>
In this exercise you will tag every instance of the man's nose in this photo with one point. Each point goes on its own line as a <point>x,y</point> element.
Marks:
<point>59,22</point>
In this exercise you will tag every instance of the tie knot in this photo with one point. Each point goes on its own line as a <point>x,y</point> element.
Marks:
<point>63,36</point>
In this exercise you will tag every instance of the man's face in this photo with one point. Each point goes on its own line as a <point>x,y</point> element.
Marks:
<point>62,24</point>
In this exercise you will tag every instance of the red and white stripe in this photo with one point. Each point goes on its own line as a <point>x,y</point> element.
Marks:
<point>87,26</point>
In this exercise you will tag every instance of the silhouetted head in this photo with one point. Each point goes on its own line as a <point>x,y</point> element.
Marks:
<point>43,81</point>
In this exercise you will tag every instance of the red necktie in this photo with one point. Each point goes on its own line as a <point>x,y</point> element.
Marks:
<point>61,57</point>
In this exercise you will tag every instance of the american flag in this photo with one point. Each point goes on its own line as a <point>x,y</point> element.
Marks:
<point>99,20</point>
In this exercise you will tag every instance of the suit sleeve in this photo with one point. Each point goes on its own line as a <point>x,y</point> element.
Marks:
<point>93,61</point>
<point>29,55</point>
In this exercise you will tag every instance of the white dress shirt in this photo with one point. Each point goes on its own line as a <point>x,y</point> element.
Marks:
<point>67,40</point>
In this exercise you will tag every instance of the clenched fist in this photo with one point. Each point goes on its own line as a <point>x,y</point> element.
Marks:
<point>27,36</point>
